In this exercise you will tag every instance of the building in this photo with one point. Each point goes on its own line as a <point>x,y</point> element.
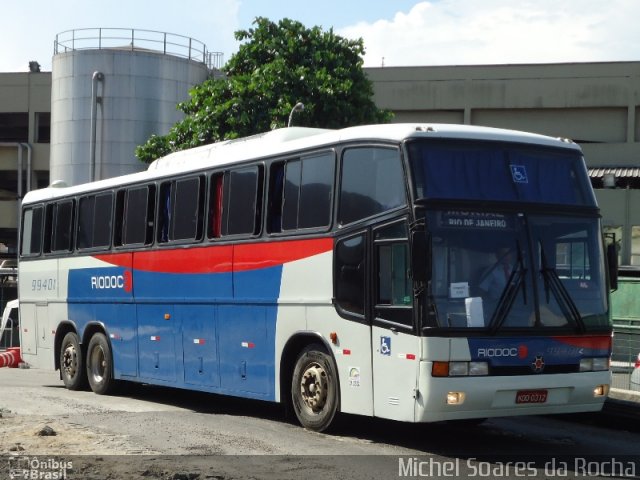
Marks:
<point>25,118</point>
<point>595,104</point>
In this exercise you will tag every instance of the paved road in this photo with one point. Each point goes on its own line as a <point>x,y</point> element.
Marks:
<point>160,430</point>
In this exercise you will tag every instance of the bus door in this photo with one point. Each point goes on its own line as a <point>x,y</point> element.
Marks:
<point>394,345</point>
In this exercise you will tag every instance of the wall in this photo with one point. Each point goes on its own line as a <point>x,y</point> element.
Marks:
<point>30,94</point>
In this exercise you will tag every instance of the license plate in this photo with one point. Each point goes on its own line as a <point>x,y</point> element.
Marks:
<point>531,396</point>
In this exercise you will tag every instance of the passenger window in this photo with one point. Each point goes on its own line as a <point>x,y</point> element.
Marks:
<point>215,206</point>
<point>372,182</point>
<point>135,208</point>
<point>291,197</point>
<point>32,231</point>
<point>300,194</point>
<point>94,221</point>
<point>187,211</point>
<point>62,226</point>
<point>350,275</point>
<point>243,198</point>
<point>276,195</point>
<point>181,210</point>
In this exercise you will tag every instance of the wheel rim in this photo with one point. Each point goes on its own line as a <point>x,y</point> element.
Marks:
<point>314,387</point>
<point>70,361</point>
<point>97,364</point>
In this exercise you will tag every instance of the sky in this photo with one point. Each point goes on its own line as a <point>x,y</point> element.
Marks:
<point>395,32</point>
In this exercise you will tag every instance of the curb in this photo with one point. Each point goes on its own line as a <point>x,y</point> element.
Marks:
<point>624,395</point>
<point>622,404</point>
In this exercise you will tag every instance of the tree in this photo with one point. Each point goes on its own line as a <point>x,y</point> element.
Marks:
<point>277,66</point>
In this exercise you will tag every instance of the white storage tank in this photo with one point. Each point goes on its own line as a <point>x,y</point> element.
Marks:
<point>111,90</point>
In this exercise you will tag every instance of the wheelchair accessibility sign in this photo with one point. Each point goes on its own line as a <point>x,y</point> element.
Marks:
<point>519,173</point>
<point>385,346</point>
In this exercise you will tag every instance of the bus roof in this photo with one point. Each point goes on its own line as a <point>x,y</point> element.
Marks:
<point>286,140</point>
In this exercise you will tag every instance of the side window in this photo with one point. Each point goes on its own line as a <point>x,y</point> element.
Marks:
<point>242,199</point>
<point>315,191</point>
<point>134,213</point>
<point>275,197</point>
<point>393,289</point>
<point>187,215</point>
<point>291,195</point>
<point>300,193</point>
<point>372,182</point>
<point>216,186</point>
<point>181,213</point>
<point>350,275</point>
<point>94,221</point>
<point>32,224</point>
<point>61,240</point>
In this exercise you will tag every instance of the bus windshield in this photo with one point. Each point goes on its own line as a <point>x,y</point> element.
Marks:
<point>498,171</point>
<point>504,270</point>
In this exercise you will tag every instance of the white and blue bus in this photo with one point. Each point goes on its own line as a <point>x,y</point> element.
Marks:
<point>412,272</point>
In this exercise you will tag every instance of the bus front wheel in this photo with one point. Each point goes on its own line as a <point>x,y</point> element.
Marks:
<point>314,389</point>
<point>99,365</point>
<point>72,363</point>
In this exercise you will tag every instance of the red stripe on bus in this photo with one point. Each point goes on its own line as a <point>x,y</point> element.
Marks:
<point>219,259</point>
<point>600,342</point>
<point>264,255</point>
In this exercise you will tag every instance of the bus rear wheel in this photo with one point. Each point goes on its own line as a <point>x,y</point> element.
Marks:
<point>99,365</point>
<point>72,363</point>
<point>314,389</point>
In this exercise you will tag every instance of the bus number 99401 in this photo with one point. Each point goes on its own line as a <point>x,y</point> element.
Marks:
<point>45,284</point>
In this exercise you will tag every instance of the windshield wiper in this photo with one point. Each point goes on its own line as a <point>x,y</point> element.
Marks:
<point>509,294</point>
<point>552,282</point>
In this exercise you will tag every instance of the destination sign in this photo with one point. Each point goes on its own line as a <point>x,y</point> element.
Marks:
<point>479,220</point>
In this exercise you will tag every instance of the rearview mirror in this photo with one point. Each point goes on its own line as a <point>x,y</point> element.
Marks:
<point>420,264</point>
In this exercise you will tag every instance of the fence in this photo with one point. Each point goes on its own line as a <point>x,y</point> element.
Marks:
<point>625,311</point>
<point>136,40</point>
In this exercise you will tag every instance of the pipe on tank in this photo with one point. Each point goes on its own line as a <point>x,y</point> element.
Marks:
<point>95,78</point>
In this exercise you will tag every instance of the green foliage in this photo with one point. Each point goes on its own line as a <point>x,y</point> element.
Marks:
<point>276,66</point>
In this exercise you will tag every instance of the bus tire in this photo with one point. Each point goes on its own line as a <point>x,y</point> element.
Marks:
<point>72,369</point>
<point>314,389</point>
<point>100,365</point>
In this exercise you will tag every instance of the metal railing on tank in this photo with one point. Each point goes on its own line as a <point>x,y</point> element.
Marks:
<point>136,40</point>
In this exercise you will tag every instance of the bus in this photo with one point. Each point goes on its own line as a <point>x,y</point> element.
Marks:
<point>334,271</point>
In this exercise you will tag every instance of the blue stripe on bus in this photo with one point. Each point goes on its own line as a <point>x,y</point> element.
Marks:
<point>213,332</point>
<point>519,351</point>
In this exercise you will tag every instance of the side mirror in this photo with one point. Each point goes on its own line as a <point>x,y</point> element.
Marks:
<point>612,263</point>
<point>420,258</point>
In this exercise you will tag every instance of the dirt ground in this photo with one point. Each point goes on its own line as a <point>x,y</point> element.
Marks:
<point>21,434</point>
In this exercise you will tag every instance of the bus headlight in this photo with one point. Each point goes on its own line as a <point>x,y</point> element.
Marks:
<point>594,364</point>
<point>601,391</point>
<point>478,368</point>
<point>455,398</point>
<point>459,369</point>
